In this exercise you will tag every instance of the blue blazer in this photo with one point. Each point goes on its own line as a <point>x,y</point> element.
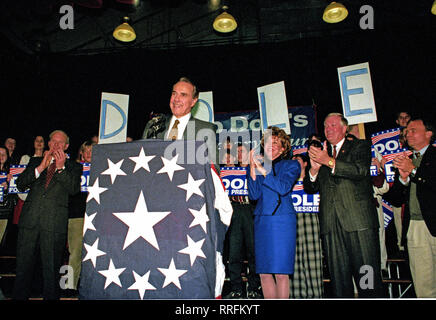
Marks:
<point>274,192</point>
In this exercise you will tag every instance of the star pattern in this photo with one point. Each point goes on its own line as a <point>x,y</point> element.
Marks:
<point>92,252</point>
<point>172,275</point>
<point>94,192</point>
<point>141,283</point>
<point>112,274</point>
<point>170,166</point>
<point>193,249</point>
<point>114,169</point>
<point>141,161</point>
<point>200,218</point>
<point>87,223</point>
<point>192,187</point>
<point>141,222</point>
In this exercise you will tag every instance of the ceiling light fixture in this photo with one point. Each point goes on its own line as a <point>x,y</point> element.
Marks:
<point>335,12</point>
<point>433,8</point>
<point>225,22</point>
<point>124,32</point>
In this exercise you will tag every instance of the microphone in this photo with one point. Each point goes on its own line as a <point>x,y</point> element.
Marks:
<point>156,124</point>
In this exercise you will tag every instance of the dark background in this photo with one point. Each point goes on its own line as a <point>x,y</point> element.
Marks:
<point>41,93</point>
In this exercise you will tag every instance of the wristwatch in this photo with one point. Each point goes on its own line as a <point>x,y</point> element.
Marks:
<point>331,162</point>
<point>60,170</point>
<point>413,172</point>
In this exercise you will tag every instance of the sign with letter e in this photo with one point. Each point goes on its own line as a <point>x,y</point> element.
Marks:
<point>356,93</point>
<point>113,117</point>
<point>273,106</point>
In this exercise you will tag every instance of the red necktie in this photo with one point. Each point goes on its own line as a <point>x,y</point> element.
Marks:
<point>334,151</point>
<point>50,173</point>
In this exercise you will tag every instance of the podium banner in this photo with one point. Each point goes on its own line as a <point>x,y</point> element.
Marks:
<point>151,230</point>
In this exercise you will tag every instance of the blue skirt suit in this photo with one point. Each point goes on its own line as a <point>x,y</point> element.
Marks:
<point>275,221</point>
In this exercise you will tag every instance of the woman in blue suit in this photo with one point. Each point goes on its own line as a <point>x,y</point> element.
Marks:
<point>270,182</point>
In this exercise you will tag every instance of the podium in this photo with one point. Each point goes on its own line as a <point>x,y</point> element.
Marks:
<point>151,230</point>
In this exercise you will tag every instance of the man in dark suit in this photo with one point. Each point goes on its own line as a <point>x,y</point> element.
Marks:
<point>181,125</point>
<point>415,185</point>
<point>44,218</point>
<point>348,217</point>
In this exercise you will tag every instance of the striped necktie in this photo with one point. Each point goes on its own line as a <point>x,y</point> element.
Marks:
<point>50,173</point>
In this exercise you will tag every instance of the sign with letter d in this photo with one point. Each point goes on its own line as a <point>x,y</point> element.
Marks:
<point>113,118</point>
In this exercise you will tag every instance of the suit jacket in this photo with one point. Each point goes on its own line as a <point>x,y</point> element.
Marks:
<point>195,130</point>
<point>274,192</point>
<point>347,193</point>
<point>425,179</point>
<point>47,209</point>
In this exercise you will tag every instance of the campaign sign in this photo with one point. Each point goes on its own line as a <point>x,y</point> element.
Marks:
<point>234,180</point>
<point>387,140</point>
<point>304,202</point>
<point>84,182</point>
<point>388,212</point>
<point>3,177</point>
<point>356,92</point>
<point>299,149</point>
<point>373,170</point>
<point>203,109</point>
<point>389,165</point>
<point>15,171</point>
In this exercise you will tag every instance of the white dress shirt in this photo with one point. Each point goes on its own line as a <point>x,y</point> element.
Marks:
<point>183,122</point>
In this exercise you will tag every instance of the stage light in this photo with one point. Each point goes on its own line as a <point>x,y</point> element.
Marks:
<point>124,32</point>
<point>335,12</point>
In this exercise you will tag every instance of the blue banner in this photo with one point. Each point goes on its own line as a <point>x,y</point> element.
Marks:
<point>246,125</point>
<point>234,180</point>
<point>304,202</point>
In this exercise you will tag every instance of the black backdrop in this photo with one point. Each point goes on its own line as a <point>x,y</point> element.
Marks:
<point>47,92</point>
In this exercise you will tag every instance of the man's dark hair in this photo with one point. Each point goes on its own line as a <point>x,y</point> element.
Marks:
<point>429,126</point>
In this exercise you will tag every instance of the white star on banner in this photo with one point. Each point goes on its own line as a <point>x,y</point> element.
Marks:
<point>141,284</point>
<point>192,186</point>
<point>112,274</point>
<point>141,161</point>
<point>172,275</point>
<point>140,223</point>
<point>200,217</point>
<point>193,249</point>
<point>114,170</point>
<point>170,166</point>
<point>94,192</point>
<point>92,252</point>
<point>87,224</point>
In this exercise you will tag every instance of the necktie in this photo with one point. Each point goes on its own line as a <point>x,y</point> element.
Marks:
<point>334,151</point>
<point>174,131</point>
<point>50,173</point>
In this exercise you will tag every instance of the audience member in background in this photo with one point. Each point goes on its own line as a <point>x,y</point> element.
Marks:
<point>270,183</point>
<point>307,281</point>
<point>76,214</point>
<point>340,171</point>
<point>241,241</point>
<point>8,203</point>
<point>94,138</point>
<point>43,225</point>
<point>403,118</point>
<point>11,144</point>
<point>415,184</point>
<point>37,151</point>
